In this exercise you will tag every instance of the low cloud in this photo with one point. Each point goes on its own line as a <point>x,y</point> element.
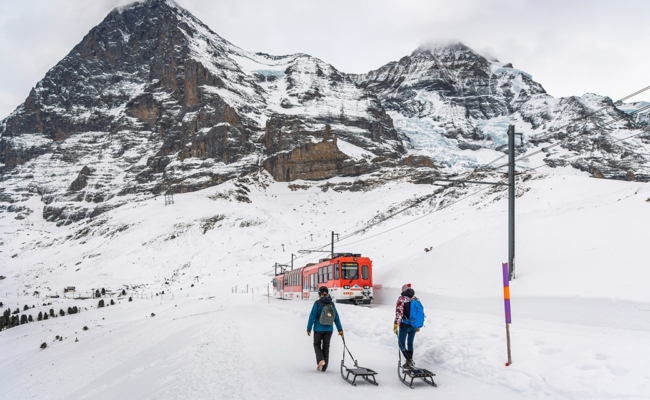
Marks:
<point>569,48</point>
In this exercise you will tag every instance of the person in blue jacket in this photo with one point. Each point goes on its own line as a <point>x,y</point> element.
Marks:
<point>322,333</point>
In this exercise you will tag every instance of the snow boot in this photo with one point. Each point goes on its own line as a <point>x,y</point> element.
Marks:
<point>409,360</point>
<point>407,356</point>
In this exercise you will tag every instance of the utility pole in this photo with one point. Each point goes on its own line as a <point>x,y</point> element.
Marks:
<point>337,236</point>
<point>511,201</point>
<point>511,198</point>
<point>292,261</point>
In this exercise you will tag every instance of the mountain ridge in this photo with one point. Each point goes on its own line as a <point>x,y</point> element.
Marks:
<point>153,101</point>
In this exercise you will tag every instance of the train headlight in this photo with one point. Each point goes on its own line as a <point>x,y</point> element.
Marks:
<point>346,287</point>
<point>366,287</point>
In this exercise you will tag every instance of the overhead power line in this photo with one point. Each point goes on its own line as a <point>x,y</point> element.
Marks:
<point>365,228</point>
<point>589,115</point>
<point>545,149</point>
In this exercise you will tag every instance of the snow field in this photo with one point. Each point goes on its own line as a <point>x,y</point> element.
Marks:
<point>580,314</point>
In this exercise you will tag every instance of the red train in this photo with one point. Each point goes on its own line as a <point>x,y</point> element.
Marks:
<point>348,277</point>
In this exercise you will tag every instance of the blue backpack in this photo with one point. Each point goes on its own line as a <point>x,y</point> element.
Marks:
<point>416,316</point>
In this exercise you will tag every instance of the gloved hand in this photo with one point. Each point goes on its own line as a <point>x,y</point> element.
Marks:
<point>308,333</point>
<point>395,327</point>
<point>417,330</point>
<point>340,333</point>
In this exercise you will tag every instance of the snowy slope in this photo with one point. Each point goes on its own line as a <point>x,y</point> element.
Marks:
<point>580,325</point>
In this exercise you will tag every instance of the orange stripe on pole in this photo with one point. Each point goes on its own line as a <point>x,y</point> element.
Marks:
<point>506,293</point>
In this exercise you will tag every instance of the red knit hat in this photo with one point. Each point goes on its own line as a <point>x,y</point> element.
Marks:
<point>404,287</point>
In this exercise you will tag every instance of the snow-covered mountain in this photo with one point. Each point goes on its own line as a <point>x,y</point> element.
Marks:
<point>152,101</point>
<point>269,155</point>
<point>450,99</point>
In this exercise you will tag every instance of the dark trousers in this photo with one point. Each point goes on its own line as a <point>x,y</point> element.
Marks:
<point>405,338</point>
<point>322,346</point>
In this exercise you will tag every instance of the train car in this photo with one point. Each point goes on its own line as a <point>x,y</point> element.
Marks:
<point>348,277</point>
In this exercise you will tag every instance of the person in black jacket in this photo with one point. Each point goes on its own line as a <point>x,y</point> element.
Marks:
<point>322,333</point>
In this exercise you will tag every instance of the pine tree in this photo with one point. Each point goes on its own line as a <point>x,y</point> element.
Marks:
<point>40,316</point>
<point>123,294</point>
<point>112,302</point>
<point>30,319</point>
<point>101,303</point>
<point>103,292</point>
<point>1,305</point>
<point>130,299</point>
<point>61,312</point>
<point>23,319</point>
<point>70,310</point>
<point>51,312</point>
<point>17,311</point>
<point>45,317</point>
<point>26,307</point>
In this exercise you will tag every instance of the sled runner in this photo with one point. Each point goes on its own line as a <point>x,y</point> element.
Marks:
<point>365,373</point>
<point>404,373</point>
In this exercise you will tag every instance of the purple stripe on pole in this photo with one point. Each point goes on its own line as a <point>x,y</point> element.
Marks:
<point>506,284</point>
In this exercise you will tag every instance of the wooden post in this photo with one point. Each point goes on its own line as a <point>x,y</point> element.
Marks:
<point>506,304</point>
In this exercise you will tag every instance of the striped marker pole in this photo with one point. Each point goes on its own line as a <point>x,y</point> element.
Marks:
<point>506,301</point>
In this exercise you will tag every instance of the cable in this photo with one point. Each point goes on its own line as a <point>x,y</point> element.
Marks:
<point>423,216</point>
<point>545,149</point>
<point>398,212</point>
<point>483,167</point>
<point>632,95</point>
<point>576,155</point>
<point>589,115</point>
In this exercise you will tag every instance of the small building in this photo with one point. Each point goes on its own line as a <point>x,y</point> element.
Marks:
<point>69,289</point>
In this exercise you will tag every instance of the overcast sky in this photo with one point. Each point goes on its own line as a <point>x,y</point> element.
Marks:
<point>571,47</point>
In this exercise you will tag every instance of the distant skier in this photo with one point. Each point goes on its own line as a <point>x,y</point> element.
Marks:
<point>323,315</point>
<point>409,318</point>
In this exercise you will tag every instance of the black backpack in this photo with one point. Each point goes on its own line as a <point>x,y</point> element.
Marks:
<point>327,315</point>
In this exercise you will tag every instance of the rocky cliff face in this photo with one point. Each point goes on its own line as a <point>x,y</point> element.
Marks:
<point>152,101</point>
<point>452,97</point>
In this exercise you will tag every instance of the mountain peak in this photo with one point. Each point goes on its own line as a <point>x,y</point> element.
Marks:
<point>148,3</point>
<point>442,47</point>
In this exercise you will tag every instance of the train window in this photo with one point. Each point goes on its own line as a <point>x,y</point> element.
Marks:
<point>329,273</point>
<point>336,271</point>
<point>364,272</point>
<point>349,270</point>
